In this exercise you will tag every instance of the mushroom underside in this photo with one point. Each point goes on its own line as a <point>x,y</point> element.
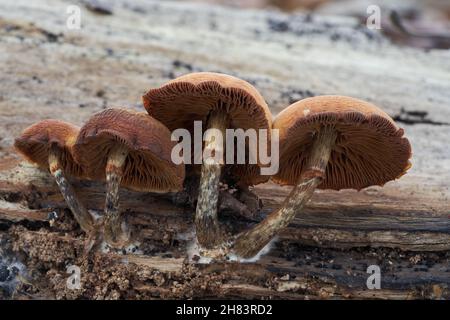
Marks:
<point>141,169</point>
<point>363,155</point>
<point>169,104</point>
<point>38,153</point>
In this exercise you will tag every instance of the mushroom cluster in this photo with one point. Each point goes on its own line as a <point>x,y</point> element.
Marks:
<point>120,146</point>
<point>326,142</point>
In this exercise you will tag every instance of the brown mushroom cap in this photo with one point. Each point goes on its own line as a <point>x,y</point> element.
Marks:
<point>35,142</point>
<point>370,148</point>
<point>192,97</point>
<point>148,166</point>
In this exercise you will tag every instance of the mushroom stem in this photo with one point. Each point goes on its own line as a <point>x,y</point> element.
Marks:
<point>206,221</point>
<point>115,233</point>
<point>84,218</point>
<point>250,242</point>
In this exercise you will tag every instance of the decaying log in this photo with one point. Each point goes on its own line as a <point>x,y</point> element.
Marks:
<point>342,219</point>
<point>50,71</point>
<point>166,231</point>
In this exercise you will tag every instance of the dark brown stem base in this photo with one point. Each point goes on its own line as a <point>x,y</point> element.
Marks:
<point>81,214</point>
<point>116,233</point>
<point>250,242</point>
<point>206,222</point>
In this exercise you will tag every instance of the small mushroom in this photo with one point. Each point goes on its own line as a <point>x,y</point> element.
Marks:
<point>221,102</point>
<point>131,149</point>
<point>329,142</point>
<point>49,144</point>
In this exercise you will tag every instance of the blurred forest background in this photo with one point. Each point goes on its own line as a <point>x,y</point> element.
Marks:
<point>416,23</point>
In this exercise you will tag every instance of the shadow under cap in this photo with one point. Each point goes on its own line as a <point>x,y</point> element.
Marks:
<point>148,166</point>
<point>369,150</point>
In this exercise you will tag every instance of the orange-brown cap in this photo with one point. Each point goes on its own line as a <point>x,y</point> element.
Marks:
<point>192,97</point>
<point>370,148</point>
<point>148,166</point>
<point>35,143</point>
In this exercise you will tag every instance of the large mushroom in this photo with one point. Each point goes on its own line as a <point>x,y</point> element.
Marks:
<point>220,102</point>
<point>329,142</point>
<point>131,149</point>
<point>49,144</point>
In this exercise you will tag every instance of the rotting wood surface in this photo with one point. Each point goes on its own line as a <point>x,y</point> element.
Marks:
<point>48,71</point>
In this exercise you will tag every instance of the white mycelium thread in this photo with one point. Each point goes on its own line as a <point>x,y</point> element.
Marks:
<point>264,251</point>
<point>193,250</point>
<point>206,256</point>
<point>130,249</point>
<point>16,273</point>
<point>97,215</point>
